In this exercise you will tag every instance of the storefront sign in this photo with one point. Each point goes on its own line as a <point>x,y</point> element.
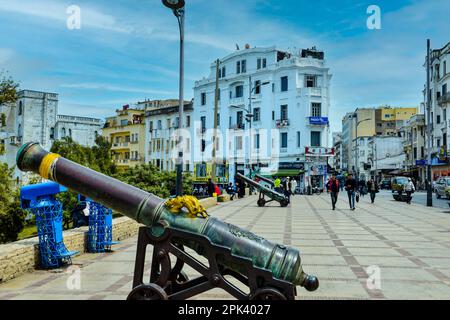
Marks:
<point>291,166</point>
<point>319,151</point>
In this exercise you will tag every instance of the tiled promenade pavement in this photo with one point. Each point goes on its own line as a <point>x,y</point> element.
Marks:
<point>410,244</point>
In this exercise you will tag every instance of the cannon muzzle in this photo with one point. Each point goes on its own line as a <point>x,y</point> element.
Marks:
<point>154,212</point>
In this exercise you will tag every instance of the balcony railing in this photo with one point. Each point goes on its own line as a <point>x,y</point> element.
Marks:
<point>16,141</point>
<point>283,123</point>
<point>201,131</point>
<point>237,101</point>
<point>445,98</point>
<point>120,145</point>
<point>238,126</point>
<point>310,92</point>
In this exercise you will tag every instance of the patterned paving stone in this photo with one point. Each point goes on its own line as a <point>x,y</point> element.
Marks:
<point>410,246</point>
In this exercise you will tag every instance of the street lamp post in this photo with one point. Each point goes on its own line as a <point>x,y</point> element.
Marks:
<point>249,116</point>
<point>177,6</point>
<point>429,129</point>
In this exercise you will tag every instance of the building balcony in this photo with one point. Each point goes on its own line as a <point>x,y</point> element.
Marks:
<point>310,92</point>
<point>239,126</point>
<point>16,141</point>
<point>237,101</point>
<point>123,161</point>
<point>283,123</point>
<point>445,98</point>
<point>120,145</point>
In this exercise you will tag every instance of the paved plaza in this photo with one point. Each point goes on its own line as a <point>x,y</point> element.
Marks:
<point>409,244</point>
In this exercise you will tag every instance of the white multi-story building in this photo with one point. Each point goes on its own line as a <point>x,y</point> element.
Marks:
<point>386,156</point>
<point>440,100</point>
<point>34,118</point>
<point>337,145</point>
<point>287,97</point>
<point>161,124</point>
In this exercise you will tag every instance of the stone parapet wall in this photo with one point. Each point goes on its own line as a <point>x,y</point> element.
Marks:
<point>22,256</point>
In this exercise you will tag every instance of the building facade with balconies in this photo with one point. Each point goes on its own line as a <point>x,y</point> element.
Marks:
<point>283,97</point>
<point>440,101</point>
<point>337,146</point>
<point>413,133</point>
<point>126,133</point>
<point>161,124</point>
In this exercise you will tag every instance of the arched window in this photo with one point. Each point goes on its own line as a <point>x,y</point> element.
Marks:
<point>20,108</point>
<point>19,130</point>
<point>63,133</point>
<point>52,133</point>
<point>70,133</point>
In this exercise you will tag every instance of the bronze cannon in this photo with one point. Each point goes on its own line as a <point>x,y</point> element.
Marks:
<point>269,269</point>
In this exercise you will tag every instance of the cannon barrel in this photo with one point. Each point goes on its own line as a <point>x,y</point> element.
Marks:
<point>269,181</point>
<point>150,210</point>
<point>264,190</point>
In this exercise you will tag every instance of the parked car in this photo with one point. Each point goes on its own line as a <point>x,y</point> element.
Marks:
<point>442,188</point>
<point>398,188</point>
<point>385,184</point>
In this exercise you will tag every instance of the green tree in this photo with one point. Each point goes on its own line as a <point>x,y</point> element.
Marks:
<point>149,178</point>
<point>12,217</point>
<point>97,158</point>
<point>8,94</point>
<point>8,89</point>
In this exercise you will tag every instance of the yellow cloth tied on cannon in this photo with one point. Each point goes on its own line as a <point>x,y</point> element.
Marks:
<point>193,206</point>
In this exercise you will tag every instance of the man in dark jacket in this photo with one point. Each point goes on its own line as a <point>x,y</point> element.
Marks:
<point>372,188</point>
<point>350,187</point>
<point>211,188</point>
<point>333,188</point>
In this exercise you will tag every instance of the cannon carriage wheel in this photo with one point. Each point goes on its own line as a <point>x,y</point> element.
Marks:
<point>261,202</point>
<point>171,283</point>
<point>148,292</point>
<point>267,294</point>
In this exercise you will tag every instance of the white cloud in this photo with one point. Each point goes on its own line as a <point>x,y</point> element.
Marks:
<point>109,87</point>
<point>5,56</point>
<point>57,11</point>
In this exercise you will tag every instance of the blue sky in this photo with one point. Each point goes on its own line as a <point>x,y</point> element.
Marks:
<point>127,50</point>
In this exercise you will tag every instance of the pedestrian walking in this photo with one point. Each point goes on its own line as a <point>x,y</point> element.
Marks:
<point>289,185</point>
<point>333,188</point>
<point>211,188</point>
<point>277,184</point>
<point>350,187</point>
<point>373,189</point>
<point>294,186</point>
<point>409,189</point>
<point>362,187</point>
